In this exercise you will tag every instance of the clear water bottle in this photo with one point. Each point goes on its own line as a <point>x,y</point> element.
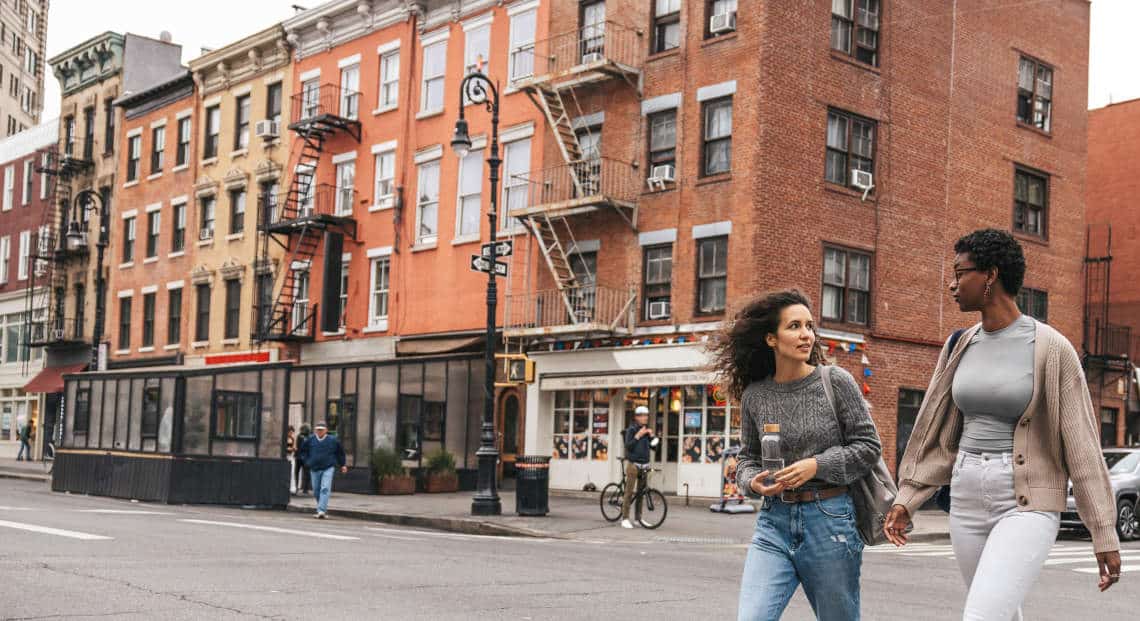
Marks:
<point>771,458</point>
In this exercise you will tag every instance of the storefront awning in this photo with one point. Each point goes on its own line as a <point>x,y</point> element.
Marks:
<point>626,380</point>
<point>446,345</point>
<point>50,379</point>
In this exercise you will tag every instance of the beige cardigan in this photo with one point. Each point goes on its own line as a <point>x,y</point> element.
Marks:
<point>1056,439</point>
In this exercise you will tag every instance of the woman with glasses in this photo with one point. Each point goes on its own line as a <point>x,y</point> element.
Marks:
<point>1007,421</point>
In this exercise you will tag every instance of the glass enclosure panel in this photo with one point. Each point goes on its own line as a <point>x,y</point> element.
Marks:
<point>196,424</point>
<point>272,416</point>
<point>230,448</point>
<point>113,391</point>
<point>297,386</point>
<point>411,379</point>
<point>475,406</point>
<point>69,417</point>
<point>134,421</point>
<point>457,412</point>
<point>317,409</point>
<point>364,441</point>
<point>166,415</point>
<point>334,385</point>
<point>435,381</point>
<point>384,406</point>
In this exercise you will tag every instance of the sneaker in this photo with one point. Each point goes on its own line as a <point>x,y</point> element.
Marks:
<point>626,524</point>
<point>322,515</point>
<point>317,515</point>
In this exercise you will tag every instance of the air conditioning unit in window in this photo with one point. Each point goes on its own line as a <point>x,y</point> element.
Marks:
<point>56,335</point>
<point>664,173</point>
<point>862,180</point>
<point>659,310</point>
<point>205,234</point>
<point>591,57</point>
<point>725,22</point>
<point>266,130</point>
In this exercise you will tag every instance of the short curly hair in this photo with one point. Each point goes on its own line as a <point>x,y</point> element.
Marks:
<point>994,248</point>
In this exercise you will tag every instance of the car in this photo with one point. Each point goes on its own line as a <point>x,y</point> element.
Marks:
<point>1124,474</point>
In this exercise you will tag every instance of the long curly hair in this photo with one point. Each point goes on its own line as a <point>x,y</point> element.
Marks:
<point>741,354</point>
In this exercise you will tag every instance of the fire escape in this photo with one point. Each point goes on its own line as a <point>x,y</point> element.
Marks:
<point>584,63</point>
<point>308,212</point>
<point>1107,346</point>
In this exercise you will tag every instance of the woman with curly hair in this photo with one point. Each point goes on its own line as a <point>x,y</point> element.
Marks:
<point>770,359</point>
<point>1007,421</point>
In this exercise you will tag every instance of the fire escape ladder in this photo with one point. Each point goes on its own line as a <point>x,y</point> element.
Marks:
<point>554,108</point>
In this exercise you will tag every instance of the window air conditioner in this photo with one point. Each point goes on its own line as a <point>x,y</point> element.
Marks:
<point>862,179</point>
<point>725,22</point>
<point>663,173</point>
<point>266,129</point>
<point>591,57</point>
<point>56,334</point>
<point>205,234</point>
<point>659,310</point>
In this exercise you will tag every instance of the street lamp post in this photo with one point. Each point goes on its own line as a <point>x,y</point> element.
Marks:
<point>85,201</point>
<point>476,88</point>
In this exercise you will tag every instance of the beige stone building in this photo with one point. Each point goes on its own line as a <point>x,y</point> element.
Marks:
<point>243,150</point>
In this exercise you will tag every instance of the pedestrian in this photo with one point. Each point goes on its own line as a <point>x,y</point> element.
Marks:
<point>638,437</point>
<point>24,435</point>
<point>300,470</point>
<point>291,457</point>
<point>769,358</point>
<point>322,454</point>
<point>1007,422</point>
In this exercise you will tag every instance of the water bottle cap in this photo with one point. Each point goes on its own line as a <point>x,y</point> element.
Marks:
<point>771,428</point>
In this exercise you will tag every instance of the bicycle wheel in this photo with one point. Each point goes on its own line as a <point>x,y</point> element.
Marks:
<point>610,500</point>
<point>651,509</point>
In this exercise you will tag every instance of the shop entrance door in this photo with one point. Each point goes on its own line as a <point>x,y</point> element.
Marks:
<point>510,426</point>
<point>664,416</point>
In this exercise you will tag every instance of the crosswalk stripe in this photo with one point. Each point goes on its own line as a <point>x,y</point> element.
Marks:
<point>1096,570</point>
<point>1070,561</point>
<point>274,529</point>
<point>124,512</point>
<point>59,532</point>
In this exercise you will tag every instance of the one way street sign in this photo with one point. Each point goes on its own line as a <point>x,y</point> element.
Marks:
<point>483,264</point>
<point>502,248</point>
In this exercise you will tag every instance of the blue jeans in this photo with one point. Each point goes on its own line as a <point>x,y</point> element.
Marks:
<point>25,449</point>
<point>322,487</point>
<point>814,544</point>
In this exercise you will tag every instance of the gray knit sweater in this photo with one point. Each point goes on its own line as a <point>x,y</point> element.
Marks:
<point>808,428</point>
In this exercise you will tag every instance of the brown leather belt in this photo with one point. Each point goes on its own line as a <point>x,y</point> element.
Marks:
<point>811,495</point>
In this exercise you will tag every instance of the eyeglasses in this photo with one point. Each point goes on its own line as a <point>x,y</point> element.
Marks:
<point>961,271</point>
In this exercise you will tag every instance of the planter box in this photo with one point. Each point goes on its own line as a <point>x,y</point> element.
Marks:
<point>441,483</point>
<point>390,486</point>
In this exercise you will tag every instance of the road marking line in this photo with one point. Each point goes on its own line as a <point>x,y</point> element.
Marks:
<point>7,508</point>
<point>1070,561</point>
<point>274,529</point>
<point>1072,552</point>
<point>54,531</point>
<point>458,535</point>
<point>1096,570</point>
<point>124,512</point>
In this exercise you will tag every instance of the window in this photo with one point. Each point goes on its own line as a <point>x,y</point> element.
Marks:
<point>662,139</point>
<point>264,301</point>
<point>157,149</point>
<point>478,48</point>
<point>15,346</point>
<point>82,410</point>
<point>310,98</point>
<point>712,272</point>
<point>128,239</point>
<point>658,280</point>
<point>25,251</point>
<point>183,153</point>
<point>68,132</point>
<point>151,398</point>
<point>350,92</point>
<point>717,144</point>
<point>582,425</point>
<point>378,302</point>
<point>723,11</point>
<point>345,187</point>
<point>43,175</point>
<point>29,178</point>
<point>134,153</point>
<point>178,235</point>
<point>470,194</point>
<point>389,80</point>
<point>273,103</point>
<point>174,316</point>
<point>666,25</point>
<point>1030,202</point>
<point>108,126</point>
<point>385,178</point>
<point>202,318</point>
<point>910,401</point>
<point>237,211</point>
<point>89,133</point>
<point>80,308</point>
<point>148,320</point>
<point>206,222</point>
<point>233,308</point>
<point>268,197</point>
<point>9,187</point>
<point>855,29</point>
<point>236,415</point>
<point>435,65</point>
<point>241,123</point>
<point>516,182</point>
<point>343,294</point>
<point>213,126</point>
<point>846,285</point>
<point>124,323</point>
<point>153,227</point>
<point>5,257</point>
<point>1035,94</point>
<point>427,205</point>
<point>301,301</point>
<point>850,146</point>
<point>522,45</point>
<point>1034,303</point>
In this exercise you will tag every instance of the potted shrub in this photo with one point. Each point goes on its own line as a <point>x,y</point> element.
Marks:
<point>441,475</point>
<point>388,470</point>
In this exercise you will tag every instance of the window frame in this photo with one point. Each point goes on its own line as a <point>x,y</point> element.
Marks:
<point>846,288</point>
<point>273,102</point>
<point>1031,174</point>
<point>653,157</point>
<point>854,27</point>
<point>202,295</point>
<point>349,104</point>
<point>130,234</point>
<point>511,185</point>
<point>153,228</point>
<point>207,224</point>
<point>108,126</point>
<point>519,47</point>
<point>461,198</point>
<point>1034,300</point>
<point>232,316</point>
<point>150,302</point>
<point>663,22</point>
<point>212,128</point>
<point>388,90</point>
<point>243,113</point>
<point>89,133</point>
<point>386,199</point>
<point>376,294</point>
<point>238,198</point>
<point>659,289</point>
<point>182,152</point>
<point>126,304</point>
<point>81,414</point>
<point>1033,94</point>
<point>706,109</point>
<point>421,203</point>
<point>174,316</point>
<point>698,310</point>
<point>151,404</point>
<point>233,434</point>
<point>134,157</point>
<point>178,230</point>
<point>851,119</point>
<point>427,81</point>
<point>710,11</point>
<point>157,149</point>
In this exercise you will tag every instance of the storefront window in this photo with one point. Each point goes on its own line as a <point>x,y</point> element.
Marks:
<point>695,423</point>
<point>581,424</point>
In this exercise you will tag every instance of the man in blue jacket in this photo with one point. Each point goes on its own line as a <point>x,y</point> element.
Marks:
<point>321,453</point>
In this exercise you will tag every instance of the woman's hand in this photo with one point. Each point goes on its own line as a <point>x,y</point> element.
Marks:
<point>1109,563</point>
<point>798,473</point>
<point>759,487</point>
<point>895,525</point>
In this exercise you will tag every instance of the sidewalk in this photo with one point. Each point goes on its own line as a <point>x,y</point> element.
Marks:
<point>571,517</point>
<point>26,470</point>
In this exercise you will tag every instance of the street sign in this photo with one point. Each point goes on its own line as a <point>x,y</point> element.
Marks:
<point>483,264</point>
<point>502,248</point>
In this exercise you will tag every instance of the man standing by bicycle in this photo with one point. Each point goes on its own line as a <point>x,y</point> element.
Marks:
<point>638,437</point>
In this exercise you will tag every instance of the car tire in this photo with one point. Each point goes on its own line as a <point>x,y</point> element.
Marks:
<point>1126,520</point>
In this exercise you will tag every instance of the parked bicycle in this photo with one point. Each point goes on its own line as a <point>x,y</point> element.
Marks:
<point>49,456</point>
<point>649,506</point>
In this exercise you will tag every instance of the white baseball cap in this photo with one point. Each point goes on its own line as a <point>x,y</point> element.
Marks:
<point>641,409</point>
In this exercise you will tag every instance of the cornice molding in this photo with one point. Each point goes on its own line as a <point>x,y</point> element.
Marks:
<point>242,61</point>
<point>333,23</point>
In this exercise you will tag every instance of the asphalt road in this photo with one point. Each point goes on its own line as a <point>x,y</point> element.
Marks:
<point>110,558</point>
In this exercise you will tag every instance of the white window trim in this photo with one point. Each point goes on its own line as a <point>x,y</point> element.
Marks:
<point>435,37</point>
<point>342,158</point>
<point>522,7</point>
<point>671,101</point>
<point>716,91</point>
<point>211,102</point>
<point>130,213</point>
<point>380,251</point>
<point>348,62</point>
<point>134,132</point>
<point>477,22</point>
<point>429,154</point>
<point>29,167</point>
<point>460,239</point>
<point>391,46</point>
<point>154,207</point>
<point>149,289</point>
<point>126,293</point>
<point>517,132</point>
<point>654,238</point>
<point>378,324</point>
<point>384,146</point>
<point>714,229</point>
<point>158,123</point>
<point>177,284</point>
<point>188,112</point>
<point>311,74</point>
<point>179,200</point>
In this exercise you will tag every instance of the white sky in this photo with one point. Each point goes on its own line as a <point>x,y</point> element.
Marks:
<point>215,23</point>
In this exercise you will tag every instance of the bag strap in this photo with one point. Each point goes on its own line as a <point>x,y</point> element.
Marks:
<point>953,342</point>
<point>825,375</point>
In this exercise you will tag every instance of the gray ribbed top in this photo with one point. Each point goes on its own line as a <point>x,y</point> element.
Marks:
<point>993,385</point>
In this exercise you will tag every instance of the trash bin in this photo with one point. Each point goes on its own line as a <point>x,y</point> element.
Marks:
<point>532,484</point>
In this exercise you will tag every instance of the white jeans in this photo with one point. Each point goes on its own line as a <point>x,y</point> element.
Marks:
<point>1000,550</point>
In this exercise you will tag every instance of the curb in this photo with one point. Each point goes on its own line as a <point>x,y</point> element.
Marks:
<point>454,525</point>
<point>928,537</point>
<point>22,476</point>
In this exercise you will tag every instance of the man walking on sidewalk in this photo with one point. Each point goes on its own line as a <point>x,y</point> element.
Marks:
<point>638,437</point>
<point>321,453</point>
<point>24,435</point>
